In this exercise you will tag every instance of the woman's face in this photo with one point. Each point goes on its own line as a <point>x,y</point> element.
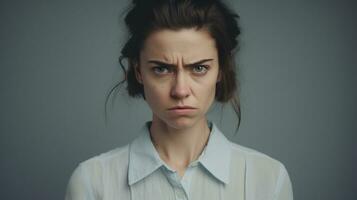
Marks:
<point>179,71</point>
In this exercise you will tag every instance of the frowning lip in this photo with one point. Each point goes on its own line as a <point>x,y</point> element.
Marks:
<point>181,107</point>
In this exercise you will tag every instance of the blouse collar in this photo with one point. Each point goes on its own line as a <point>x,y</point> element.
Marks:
<point>144,158</point>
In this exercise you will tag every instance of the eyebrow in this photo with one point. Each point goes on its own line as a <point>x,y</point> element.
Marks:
<point>172,65</point>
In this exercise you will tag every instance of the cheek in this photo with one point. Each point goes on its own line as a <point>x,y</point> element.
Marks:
<point>155,93</point>
<point>208,86</point>
<point>206,92</point>
<point>210,93</point>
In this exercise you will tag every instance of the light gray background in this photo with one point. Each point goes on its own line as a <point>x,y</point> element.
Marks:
<point>298,87</point>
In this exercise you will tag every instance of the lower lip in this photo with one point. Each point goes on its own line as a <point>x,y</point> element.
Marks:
<point>182,111</point>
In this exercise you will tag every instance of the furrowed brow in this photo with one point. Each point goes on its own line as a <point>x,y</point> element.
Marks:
<point>172,65</point>
<point>161,63</point>
<point>199,62</point>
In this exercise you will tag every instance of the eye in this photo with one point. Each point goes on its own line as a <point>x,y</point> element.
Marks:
<point>200,69</point>
<point>161,70</point>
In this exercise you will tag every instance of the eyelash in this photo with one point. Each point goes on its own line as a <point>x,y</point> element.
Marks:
<point>155,69</point>
<point>205,67</point>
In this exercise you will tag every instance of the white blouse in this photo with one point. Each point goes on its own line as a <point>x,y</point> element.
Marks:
<point>223,171</point>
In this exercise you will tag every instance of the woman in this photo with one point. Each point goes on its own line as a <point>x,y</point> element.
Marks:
<point>180,57</point>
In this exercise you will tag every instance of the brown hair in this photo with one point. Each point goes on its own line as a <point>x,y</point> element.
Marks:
<point>146,16</point>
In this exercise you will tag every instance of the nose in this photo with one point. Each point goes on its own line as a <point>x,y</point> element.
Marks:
<point>180,88</point>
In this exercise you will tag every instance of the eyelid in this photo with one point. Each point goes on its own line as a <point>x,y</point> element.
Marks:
<point>206,68</point>
<point>171,69</point>
<point>203,61</point>
<point>163,66</point>
<point>203,65</point>
<point>168,68</point>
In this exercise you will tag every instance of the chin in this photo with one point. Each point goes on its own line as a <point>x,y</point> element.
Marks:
<point>181,123</point>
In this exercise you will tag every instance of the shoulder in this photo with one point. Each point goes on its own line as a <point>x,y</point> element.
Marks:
<point>97,168</point>
<point>117,158</point>
<point>262,172</point>
<point>94,174</point>
<point>254,158</point>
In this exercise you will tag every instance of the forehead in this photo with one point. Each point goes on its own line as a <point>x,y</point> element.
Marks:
<point>186,44</point>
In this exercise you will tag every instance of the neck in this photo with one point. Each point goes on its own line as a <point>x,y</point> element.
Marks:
<point>179,147</point>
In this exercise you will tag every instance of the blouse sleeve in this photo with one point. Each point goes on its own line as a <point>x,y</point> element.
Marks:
<point>284,188</point>
<point>78,187</point>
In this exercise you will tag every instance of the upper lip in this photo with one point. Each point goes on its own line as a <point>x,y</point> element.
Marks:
<point>182,107</point>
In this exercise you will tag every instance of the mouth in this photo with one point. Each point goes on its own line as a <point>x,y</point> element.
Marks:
<point>181,108</point>
<point>182,111</point>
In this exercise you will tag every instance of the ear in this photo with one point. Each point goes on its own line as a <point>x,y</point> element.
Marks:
<point>219,76</point>
<point>138,74</point>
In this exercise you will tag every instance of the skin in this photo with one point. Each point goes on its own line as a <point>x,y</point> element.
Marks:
<point>169,80</point>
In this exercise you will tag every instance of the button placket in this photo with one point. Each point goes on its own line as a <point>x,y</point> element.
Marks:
<point>180,193</point>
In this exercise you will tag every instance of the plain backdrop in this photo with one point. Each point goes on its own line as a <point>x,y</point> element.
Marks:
<point>297,69</point>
